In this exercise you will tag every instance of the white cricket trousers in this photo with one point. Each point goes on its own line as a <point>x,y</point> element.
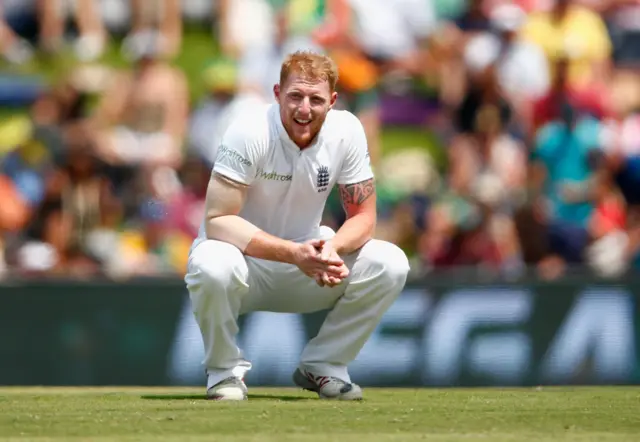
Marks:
<point>224,284</point>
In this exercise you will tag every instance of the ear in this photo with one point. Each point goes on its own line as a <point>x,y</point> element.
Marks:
<point>276,92</point>
<point>334,98</point>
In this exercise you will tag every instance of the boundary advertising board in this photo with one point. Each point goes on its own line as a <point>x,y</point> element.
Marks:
<point>441,334</point>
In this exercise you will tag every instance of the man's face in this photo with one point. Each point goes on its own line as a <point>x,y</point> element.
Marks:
<point>304,105</point>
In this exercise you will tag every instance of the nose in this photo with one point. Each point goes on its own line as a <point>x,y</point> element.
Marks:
<point>305,107</point>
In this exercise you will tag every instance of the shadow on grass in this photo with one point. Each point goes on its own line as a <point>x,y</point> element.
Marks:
<point>198,397</point>
<point>174,397</point>
<point>279,397</point>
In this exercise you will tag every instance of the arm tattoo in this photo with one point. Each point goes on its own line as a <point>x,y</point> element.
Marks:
<point>357,193</point>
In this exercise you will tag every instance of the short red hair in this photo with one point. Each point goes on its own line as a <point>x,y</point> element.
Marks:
<point>310,65</point>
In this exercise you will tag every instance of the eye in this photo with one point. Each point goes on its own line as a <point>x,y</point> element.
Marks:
<point>317,100</point>
<point>295,96</point>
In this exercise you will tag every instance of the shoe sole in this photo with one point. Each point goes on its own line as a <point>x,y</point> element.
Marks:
<point>225,398</point>
<point>301,381</point>
<point>342,397</point>
<point>228,394</point>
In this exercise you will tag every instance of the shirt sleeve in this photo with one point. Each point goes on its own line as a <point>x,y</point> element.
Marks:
<point>238,155</point>
<point>589,132</point>
<point>546,143</point>
<point>357,163</point>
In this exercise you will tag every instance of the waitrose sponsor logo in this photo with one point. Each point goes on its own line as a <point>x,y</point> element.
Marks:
<point>273,176</point>
<point>225,151</point>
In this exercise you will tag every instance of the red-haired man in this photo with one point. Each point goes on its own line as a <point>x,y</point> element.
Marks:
<point>261,246</point>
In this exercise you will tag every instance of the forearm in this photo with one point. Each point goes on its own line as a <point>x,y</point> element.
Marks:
<point>271,248</point>
<point>359,202</point>
<point>354,233</point>
<point>249,239</point>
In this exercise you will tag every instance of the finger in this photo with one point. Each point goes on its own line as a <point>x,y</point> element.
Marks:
<point>326,254</point>
<point>334,260</point>
<point>326,279</point>
<point>333,281</point>
<point>341,271</point>
<point>336,271</point>
<point>317,243</point>
<point>319,280</point>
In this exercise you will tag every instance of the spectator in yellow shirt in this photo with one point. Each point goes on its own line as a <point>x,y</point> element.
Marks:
<point>571,30</point>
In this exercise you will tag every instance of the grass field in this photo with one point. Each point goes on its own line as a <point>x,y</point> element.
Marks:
<point>181,414</point>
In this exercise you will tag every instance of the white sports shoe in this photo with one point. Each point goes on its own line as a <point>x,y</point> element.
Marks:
<point>327,387</point>
<point>229,389</point>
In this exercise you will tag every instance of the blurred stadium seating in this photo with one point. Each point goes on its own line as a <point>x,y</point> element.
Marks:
<point>505,135</point>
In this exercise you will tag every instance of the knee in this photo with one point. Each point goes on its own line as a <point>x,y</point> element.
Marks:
<point>326,233</point>
<point>386,261</point>
<point>216,264</point>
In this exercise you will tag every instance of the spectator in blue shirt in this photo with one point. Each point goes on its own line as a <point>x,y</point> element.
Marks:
<point>565,151</point>
<point>566,148</point>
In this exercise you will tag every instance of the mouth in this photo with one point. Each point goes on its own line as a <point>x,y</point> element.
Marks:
<point>302,122</point>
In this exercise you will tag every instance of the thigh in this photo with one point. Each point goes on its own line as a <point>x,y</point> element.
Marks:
<point>284,288</point>
<point>377,261</point>
<point>291,291</point>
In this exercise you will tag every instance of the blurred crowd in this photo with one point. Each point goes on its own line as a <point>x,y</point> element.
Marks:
<point>532,109</point>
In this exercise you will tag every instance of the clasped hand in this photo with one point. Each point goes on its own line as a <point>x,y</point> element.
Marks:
<point>318,259</point>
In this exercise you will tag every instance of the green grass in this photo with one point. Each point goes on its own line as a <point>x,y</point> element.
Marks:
<point>396,138</point>
<point>181,414</point>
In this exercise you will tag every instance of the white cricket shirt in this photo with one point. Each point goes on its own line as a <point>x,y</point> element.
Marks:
<point>288,186</point>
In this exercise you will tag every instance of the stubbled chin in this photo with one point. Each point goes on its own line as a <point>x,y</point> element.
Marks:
<point>302,134</point>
